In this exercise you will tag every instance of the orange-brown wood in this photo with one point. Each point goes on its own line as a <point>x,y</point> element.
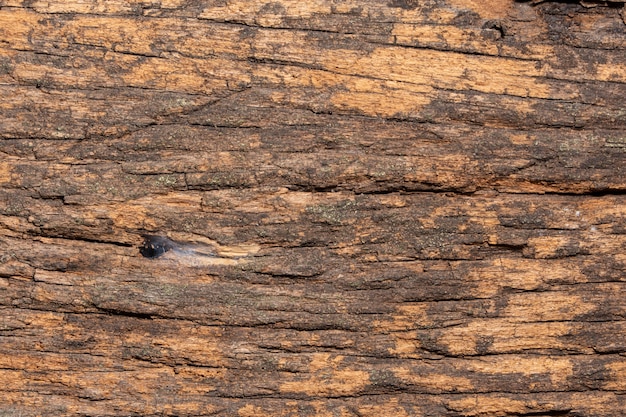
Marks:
<point>401,208</point>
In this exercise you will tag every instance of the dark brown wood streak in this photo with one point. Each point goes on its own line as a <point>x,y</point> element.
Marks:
<point>355,208</point>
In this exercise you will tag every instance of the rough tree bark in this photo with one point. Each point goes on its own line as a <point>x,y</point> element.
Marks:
<point>412,208</point>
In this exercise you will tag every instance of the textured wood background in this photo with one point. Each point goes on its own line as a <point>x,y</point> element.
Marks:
<point>417,208</point>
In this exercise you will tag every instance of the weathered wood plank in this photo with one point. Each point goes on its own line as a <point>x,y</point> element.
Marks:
<point>379,208</point>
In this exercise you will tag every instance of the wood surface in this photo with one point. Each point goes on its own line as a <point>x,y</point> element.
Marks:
<point>408,208</point>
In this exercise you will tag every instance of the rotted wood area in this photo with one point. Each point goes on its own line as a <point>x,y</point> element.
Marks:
<point>356,208</point>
